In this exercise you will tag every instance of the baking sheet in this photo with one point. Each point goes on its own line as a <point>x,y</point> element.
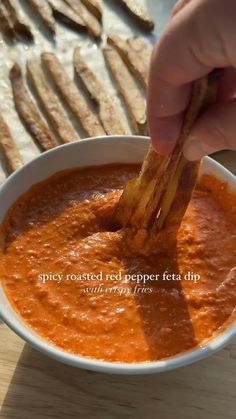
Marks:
<point>114,20</point>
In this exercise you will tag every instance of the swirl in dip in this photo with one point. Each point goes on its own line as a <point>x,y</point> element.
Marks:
<point>74,279</point>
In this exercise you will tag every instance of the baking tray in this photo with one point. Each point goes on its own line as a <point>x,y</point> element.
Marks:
<point>114,21</point>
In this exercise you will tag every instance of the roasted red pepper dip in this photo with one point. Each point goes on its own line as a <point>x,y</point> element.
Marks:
<point>62,228</point>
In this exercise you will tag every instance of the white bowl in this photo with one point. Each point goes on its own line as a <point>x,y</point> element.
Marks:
<point>96,151</point>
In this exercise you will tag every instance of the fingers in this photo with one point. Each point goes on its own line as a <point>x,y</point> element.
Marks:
<point>214,131</point>
<point>173,68</point>
<point>190,48</point>
<point>168,129</point>
<point>166,104</point>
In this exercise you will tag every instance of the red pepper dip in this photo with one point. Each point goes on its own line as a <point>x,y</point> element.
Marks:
<point>71,277</point>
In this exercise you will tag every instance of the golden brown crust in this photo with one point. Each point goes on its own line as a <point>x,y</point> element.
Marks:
<point>131,58</point>
<point>50,103</point>
<point>108,114</point>
<point>63,12</point>
<point>93,25</point>
<point>8,148</point>
<point>28,111</point>
<point>71,95</point>
<point>95,7</point>
<point>43,9</point>
<point>138,13</point>
<point>20,28</point>
<point>133,98</point>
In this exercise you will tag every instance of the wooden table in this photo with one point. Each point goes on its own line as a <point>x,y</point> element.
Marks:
<point>34,386</point>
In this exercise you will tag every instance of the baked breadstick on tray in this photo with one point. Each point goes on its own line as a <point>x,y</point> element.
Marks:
<point>138,13</point>
<point>135,64</point>
<point>28,111</point>
<point>141,47</point>
<point>21,29</point>
<point>63,12</point>
<point>71,95</point>
<point>107,110</point>
<point>6,26</point>
<point>95,7</point>
<point>50,103</point>
<point>128,89</point>
<point>93,25</point>
<point>44,10</point>
<point>8,148</point>
<point>37,105</point>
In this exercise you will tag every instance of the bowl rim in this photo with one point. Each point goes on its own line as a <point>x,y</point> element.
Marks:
<point>30,336</point>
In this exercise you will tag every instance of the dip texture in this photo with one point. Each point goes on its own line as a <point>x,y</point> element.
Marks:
<point>68,271</point>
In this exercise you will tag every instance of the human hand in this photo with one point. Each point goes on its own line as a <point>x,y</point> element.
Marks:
<point>200,37</point>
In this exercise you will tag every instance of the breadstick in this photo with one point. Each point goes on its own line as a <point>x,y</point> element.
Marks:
<point>43,9</point>
<point>64,13</point>
<point>108,114</point>
<point>5,25</point>
<point>131,58</point>
<point>138,13</point>
<point>142,48</point>
<point>8,148</point>
<point>28,111</point>
<point>50,104</point>
<point>19,26</point>
<point>93,25</point>
<point>133,98</point>
<point>71,95</point>
<point>95,7</point>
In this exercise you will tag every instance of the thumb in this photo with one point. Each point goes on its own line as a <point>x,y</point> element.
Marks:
<point>215,130</point>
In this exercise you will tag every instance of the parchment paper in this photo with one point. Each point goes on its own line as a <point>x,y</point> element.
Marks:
<point>114,20</point>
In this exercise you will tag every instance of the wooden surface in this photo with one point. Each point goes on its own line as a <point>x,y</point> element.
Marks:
<point>34,386</point>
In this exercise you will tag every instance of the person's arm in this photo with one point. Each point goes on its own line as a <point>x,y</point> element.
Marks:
<point>200,37</point>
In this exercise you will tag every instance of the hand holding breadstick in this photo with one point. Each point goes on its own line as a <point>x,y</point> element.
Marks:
<point>200,37</point>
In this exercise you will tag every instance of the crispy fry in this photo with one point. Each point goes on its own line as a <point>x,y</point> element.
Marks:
<point>63,12</point>
<point>50,103</point>
<point>179,191</point>
<point>72,96</point>
<point>132,96</point>
<point>148,201</point>
<point>20,28</point>
<point>28,112</point>
<point>142,48</point>
<point>5,25</point>
<point>138,13</point>
<point>93,25</point>
<point>131,58</point>
<point>8,148</point>
<point>138,191</point>
<point>43,9</point>
<point>176,202</point>
<point>108,114</point>
<point>95,7</point>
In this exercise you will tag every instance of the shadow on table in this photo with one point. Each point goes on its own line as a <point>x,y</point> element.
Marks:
<point>44,388</point>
